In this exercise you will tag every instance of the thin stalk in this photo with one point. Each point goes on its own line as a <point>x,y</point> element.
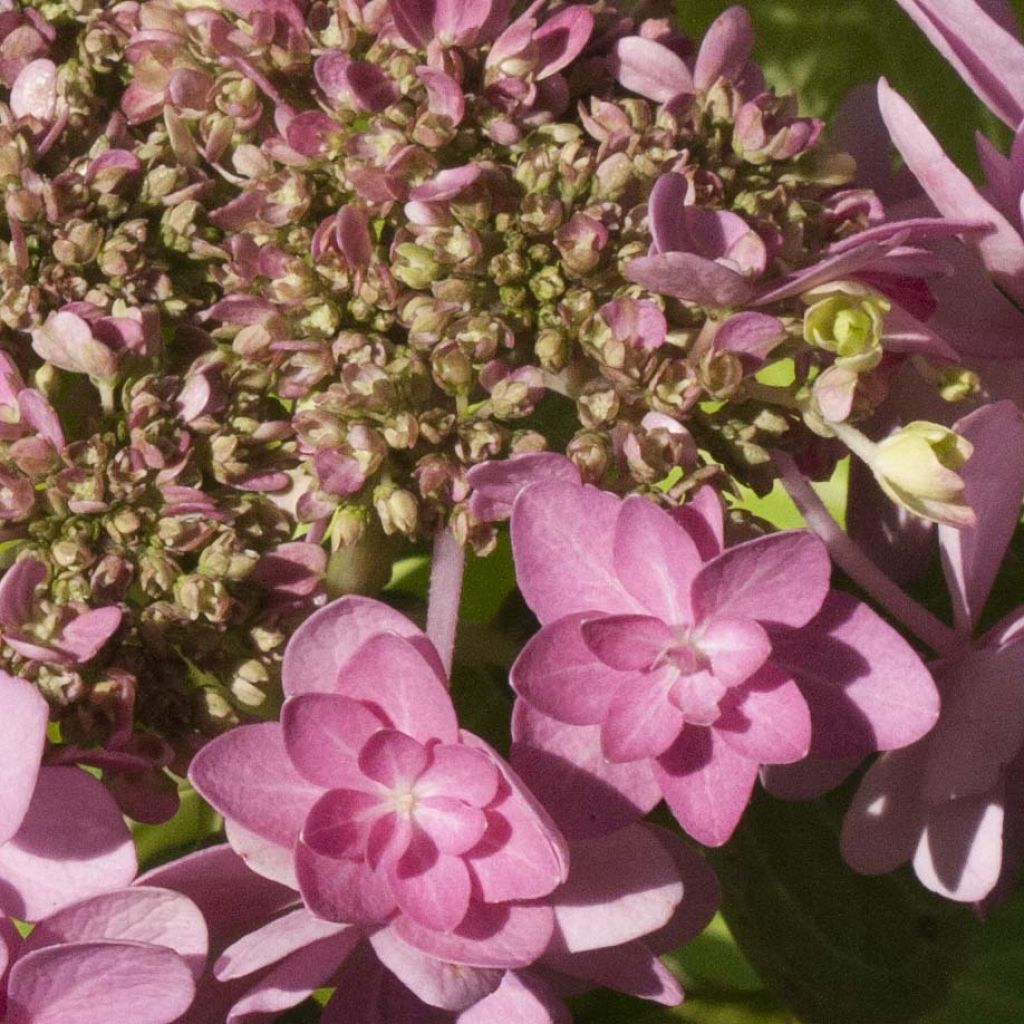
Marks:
<point>446,569</point>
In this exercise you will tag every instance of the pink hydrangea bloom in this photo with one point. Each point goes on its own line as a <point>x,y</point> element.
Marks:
<point>671,666</point>
<point>62,837</point>
<point>368,798</point>
<point>134,952</point>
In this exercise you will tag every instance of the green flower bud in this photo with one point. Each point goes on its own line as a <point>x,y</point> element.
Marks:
<point>847,318</point>
<point>415,266</point>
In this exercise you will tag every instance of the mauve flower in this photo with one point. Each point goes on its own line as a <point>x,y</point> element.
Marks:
<point>62,837</point>
<point>136,952</point>
<point>392,815</point>
<point>667,666</point>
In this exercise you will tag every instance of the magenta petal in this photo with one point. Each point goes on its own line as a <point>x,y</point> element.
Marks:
<point>345,891</point>
<point>583,792</point>
<point>393,759</point>
<point>701,517</point>
<point>431,887</point>
<point>650,69</point>
<point>725,49</point>
<point>247,776</point>
<point>329,638</point>
<point>780,578</point>
<point>960,854</point>
<point>737,648</point>
<point>519,999</point>
<point>641,721</point>
<point>559,673</point>
<point>621,887</point>
<point>156,917</point>
<point>665,214</point>
<point>497,484</point>
<point>274,941</point>
<point>560,568</point>
<point>444,94</point>
<point>437,982</point>
<point>706,784</point>
<point>23,718</point>
<point>72,844</point>
<point>490,935</point>
<point>339,822</point>
<point>323,735</point>
<point>692,278</point>
<point>655,559</point>
<point>561,38</point>
<point>766,719</point>
<point>391,675</point>
<point>628,643</point>
<point>93,982</point>
<point>452,825</point>
<point>353,234</point>
<point>460,771</point>
<point>994,481</point>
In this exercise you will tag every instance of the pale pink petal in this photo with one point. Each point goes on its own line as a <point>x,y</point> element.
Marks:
<point>994,480</point>
<point>766,719</point>
<point>94,982</point>
<point>345,891</point>
<point>393,759</point>
<point>960,853</point>
<point>270,860</point>
<point>631,968</point>
<point>621,887</point>
<point>706,784</point>
<point>725,49</point>
<point>885,820</point>
<point>496,484</point>
<point>431,887</point>
<point>650,69</point>
<point>247,776</point>
<point>444,94</point>
<point>391,675</point>
<point>782,578</point>
<point>274,941</point>
<point>952,192</point>
<point>34,92</point>
<point>560,568</point>
<point>72,844</point>
<point>564,765</point>
<point>561,38</point>
<point>437,982</point>
<point>559,673</point>
<point>692,278</point>
<point>736,647</point>
<point>460,771</point>
<point>156,917</point>
<point>329,638</point>
<point>17,591</point>
<point>323,734</point>
<point>655,559</point>
<point>628,643</point>
<point>452,825</point>
<point>446,184</point>
<point>866,687</point>
<point>23,718</point>
<point>491,935</point>
<point>84,635</point>
<point>641,721</point>
<point>519,999</point>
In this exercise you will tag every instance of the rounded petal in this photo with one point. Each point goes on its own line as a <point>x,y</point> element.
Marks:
<point>460,771</point>
<point>431,887</point>
<point>23,718</point>
<point>519,999</point>
<point>767,719</point>
<point>650,69</point>
<point>72,844</point>
<point>346,891</point>
<point>641,720</point>
<point>94,982</point>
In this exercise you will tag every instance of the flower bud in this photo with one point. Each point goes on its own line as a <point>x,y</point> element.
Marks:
<point>846,318</point>
<point>916,466</point>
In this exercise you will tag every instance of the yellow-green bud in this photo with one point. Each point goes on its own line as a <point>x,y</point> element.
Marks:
<point>847,318</point>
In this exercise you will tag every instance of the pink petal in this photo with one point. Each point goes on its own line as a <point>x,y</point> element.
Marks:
<point>519,999</point>
<point>34,92</point>
<point>780,578</point>
<point>247,776</point>
<point>627,643</point>
<point>665,214</point>
<point>353,234</point>
<point>496,484</point>
<point>83,636</point>
<point>431,887</point>
<point>460,771</point>
<point>391,676</point>
<point>452,825</point>
<point>323,735</point>
<point>766,719</point>
<point>23,719</point>
<point>491,935</point>
<point>725,49</point>
<point>329,638</point>
<point>72,844</point>
<point>655,559</point>
<point>650,69</point>
<point>93,982</point>
<point>560,568</point>
<point>559,673</point>
<point>274,941</point>
<point>345,891</point>
<point>17,591</point>
<point>960,854</point>
<point>584,793</point>
<point>339,822</point>
<point>701,517</point>
<point>621,887</point>
<point>561,38</point>
<point>692,278</point>
<point>264,857</point>
<point>952,192</point>
<point>807,779</point>
<point>994,481</point>
<point>393,759</point>
<point>446,184</point>
<point>444,94</point>
<point>641,721</point>
<point>750,334</point>
<point>706,784</point>
<point>631,968</point>
<point>736,647</point>
<point>437,982</point>
<point>156,917</point>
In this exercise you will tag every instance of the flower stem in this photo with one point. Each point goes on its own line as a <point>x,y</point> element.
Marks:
<point>446,569</point>
<point>849,557</point>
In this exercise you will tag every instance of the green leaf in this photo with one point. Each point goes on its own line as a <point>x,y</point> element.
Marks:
<point>837,947</point>
<point>191,828</point>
